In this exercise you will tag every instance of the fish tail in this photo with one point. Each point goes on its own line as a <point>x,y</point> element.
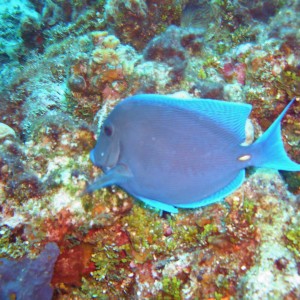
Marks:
<point>268,150</point>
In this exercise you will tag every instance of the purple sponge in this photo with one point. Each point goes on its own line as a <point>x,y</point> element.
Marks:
<point>28,278</point>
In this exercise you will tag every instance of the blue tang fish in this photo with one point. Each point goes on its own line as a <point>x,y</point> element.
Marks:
<point>185,153</point>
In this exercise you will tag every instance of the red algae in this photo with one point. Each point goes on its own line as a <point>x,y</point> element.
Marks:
<point>59,226</point>
<point>72,264</point>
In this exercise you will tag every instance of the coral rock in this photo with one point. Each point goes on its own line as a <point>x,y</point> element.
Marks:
<point>5,131</point>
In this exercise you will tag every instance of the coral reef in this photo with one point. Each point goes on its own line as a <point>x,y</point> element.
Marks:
<point>64,65</point>
<point>105,74</point>
<point>21,18</point>
<point>172,48</point>
<point>137,22</point>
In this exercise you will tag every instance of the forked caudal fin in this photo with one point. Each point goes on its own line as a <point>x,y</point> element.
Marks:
<point>268,151</point>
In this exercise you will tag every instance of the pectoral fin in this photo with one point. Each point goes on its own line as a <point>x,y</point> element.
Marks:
<point>116,175</point>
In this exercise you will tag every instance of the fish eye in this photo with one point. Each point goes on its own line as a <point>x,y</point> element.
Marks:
<point>108,130</point>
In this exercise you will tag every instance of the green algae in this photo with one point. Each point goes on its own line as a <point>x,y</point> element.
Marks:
<point>218,296</point>
<point>241,35</point>
<point>171,289</point>
<point>293,239</point>
<point>111,269</point>
<point>208,230</point>
<point>289,82</point>
<point>225,10</point>
<point>210,61</point>
<point>190,235</point>
<point>170,11</point>
<point>87,202</point>
<point>183,236</point>
<point>222,47</point>
<point>12,246</point>
<point>249,210</point>
<point>222,282</point>
<point>103,197</point>
<point>107,261</point>
<point>91,290</point>
<point>202,74</point>
<point>145,229</point>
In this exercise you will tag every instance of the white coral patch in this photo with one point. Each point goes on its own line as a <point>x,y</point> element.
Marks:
<point>64,200</point>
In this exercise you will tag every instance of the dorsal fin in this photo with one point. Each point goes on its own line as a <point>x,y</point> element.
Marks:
<point>228,115</point>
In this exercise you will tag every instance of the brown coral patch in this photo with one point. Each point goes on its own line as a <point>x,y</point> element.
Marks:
<point>58,227</point>
<point>72,264</point>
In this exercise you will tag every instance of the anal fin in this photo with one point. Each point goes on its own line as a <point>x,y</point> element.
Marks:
<point>218,196</point>
<point>159,205</point>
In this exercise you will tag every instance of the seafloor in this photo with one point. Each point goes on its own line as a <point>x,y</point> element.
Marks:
<point>64,65</point>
